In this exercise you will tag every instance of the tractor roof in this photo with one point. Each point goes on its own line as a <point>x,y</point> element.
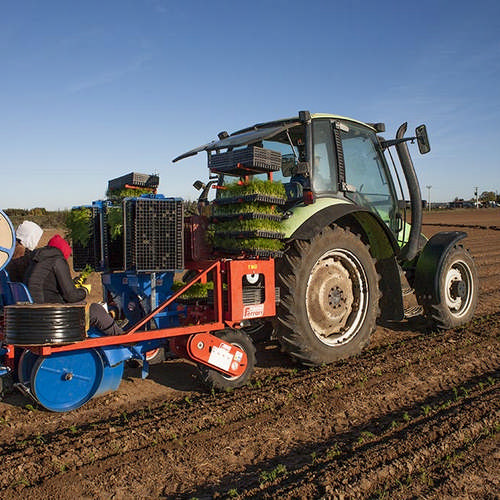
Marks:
<point>258,132</point>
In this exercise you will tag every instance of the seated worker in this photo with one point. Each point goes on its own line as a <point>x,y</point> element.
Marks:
<point>28,235</point>
<point>48,279</point>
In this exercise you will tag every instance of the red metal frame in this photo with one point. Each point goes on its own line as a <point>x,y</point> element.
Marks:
<point>133,336</point>
<point>232,270</point>
<point>129,186</point>
<point>237,310</point>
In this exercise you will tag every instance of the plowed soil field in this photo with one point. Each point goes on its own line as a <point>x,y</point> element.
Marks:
<point>416,415</point>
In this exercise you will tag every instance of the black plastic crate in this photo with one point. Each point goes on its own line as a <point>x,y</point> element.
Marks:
<point>250,160</point>
<point>135,179</point>
<point>154,234</point>
<point>89,254</point>
<point>114,257</point>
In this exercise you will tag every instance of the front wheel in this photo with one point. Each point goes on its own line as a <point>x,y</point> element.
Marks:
<point>214,379</point>
<point>329,297</point>
<point>458,290</point>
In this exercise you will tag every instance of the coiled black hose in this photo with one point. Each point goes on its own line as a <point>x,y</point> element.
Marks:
<point>44,324</point>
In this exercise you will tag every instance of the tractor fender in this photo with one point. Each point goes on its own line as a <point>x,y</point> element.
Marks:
<point>430,262</point>
<point>383,247</point>
<point>371,223</point>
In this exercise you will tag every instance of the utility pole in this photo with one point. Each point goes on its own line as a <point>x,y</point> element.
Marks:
<point>429,197</point>
<point>475,194</point>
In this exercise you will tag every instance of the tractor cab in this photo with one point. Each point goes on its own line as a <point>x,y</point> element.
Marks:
<point>331,160</point>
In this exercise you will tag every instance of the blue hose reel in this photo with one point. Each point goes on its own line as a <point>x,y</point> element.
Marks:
<point>7,240</point>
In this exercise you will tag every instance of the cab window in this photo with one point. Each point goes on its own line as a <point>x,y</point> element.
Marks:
<point>323,160</point>
<point>366,174</point>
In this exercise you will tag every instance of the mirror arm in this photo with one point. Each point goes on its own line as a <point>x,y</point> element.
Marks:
<point>394,142</point>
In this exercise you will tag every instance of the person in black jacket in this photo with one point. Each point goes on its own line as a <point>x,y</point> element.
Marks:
<point>48,279</point>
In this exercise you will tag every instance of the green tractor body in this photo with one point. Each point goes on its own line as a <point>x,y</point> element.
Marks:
<point>350,257</point>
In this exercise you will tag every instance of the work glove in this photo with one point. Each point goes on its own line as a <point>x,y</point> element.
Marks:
<point>79,280</point>
<point>86,286</point>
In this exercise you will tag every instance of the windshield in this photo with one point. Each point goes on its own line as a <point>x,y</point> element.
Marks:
<point>291,145</point>
<point>289,156</point>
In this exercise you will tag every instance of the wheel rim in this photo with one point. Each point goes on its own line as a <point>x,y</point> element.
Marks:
<point>337,297</point>
<point>26,363</point>
<point>458,288</point>
<point>150,355</point>
<point>65,381</point>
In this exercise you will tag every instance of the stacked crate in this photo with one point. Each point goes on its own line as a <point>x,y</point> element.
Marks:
<point>153,234</point>
<point>129,185</point>
<point>246,214</point>
<point>114,259</point>
<point>89,254</point>
<point>134,180</point>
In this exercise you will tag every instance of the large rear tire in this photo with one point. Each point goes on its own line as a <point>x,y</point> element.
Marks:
<point>458,289</point>
<point>329,297</point>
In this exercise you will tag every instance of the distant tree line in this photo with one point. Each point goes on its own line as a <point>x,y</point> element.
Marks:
<point>487,196</point>
<point>485,199</point>
<point>43,217</point>
<point>57,218</point>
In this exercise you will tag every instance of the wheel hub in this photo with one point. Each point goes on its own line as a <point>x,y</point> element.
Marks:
<point>458,289</point>
<point>330,296</point>
<point>455,289</point>
<point>336,297</point>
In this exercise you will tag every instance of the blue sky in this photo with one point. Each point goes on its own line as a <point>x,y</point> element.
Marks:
<point>93,90</point>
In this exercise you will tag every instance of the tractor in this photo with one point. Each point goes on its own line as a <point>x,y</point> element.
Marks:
<point>305,240</point>
<point>350,257</point>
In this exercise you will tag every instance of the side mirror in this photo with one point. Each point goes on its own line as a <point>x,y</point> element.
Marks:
<point>198,185</point>
<point>422,139</point>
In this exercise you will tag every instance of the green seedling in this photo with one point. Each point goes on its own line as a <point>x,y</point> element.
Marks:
<point>268,476</point>
<point>78,225</point>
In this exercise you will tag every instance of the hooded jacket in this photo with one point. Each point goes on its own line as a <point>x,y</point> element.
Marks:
<point>48,278</point>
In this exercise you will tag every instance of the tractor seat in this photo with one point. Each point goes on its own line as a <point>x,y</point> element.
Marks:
<point>20,293</point>
<point>12,293</point>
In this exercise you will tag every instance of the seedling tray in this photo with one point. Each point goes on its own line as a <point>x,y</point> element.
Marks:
<point>251,234</point>
<point>250,160</point>
<point>251,198</point>
<point>245,216</point>
<point>134,179</point>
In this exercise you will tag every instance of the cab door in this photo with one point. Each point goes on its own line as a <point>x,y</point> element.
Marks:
<point>367,179</point>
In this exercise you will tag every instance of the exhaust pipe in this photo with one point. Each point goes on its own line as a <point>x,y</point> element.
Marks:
<point>410,250</point>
